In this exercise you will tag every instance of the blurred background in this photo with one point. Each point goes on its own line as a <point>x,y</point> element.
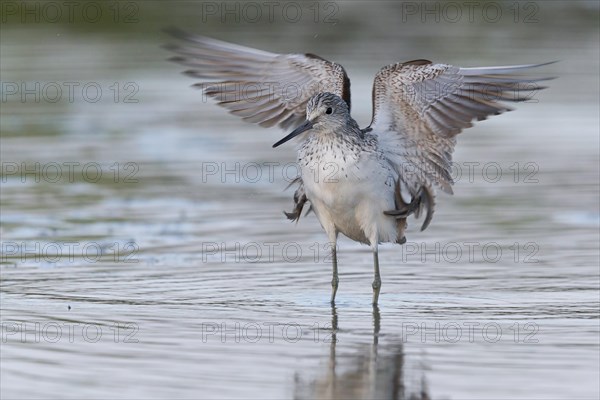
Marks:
<point>144,252</point>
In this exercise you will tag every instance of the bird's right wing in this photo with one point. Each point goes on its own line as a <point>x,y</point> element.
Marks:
<point>261,87</point>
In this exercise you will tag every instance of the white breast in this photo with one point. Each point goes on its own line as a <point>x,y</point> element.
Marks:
<point>350,191</point>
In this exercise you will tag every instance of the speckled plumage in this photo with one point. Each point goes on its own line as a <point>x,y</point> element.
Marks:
<point>363,183</point>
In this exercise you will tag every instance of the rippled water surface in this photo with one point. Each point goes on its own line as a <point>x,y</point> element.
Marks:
<point>159,263</point>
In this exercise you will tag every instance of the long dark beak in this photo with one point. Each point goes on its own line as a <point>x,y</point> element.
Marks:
<point>302,128</point>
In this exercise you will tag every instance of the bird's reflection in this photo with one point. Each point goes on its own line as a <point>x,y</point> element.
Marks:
<point>365,375</point>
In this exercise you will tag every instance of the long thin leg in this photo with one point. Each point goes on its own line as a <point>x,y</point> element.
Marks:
<point>334,280</point>
<point>377,277</point>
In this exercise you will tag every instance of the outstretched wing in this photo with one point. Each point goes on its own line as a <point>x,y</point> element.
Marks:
<point>259,86</point>
<point>419,107</point>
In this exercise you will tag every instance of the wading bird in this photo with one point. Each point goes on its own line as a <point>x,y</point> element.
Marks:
<point>363,183</point>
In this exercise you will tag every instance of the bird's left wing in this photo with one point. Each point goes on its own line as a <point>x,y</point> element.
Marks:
<point>260,87</point>
<point>419,107</point>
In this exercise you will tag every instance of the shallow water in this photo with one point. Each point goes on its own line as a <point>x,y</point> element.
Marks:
<point>159,264</point>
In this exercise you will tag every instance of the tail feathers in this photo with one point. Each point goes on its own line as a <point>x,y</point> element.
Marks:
<point>423,201</point>
<point>426,202</point>
<point>299,200</point>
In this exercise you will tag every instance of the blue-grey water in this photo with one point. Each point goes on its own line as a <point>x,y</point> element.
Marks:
<point>145,253</point>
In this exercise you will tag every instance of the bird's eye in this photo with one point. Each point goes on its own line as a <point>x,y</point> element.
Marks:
<point>328,111</point>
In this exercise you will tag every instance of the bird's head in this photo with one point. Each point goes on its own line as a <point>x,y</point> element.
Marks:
<point>324,111</point>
